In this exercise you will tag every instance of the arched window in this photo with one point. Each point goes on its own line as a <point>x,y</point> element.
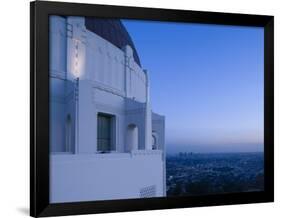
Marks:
<point>68,135</point>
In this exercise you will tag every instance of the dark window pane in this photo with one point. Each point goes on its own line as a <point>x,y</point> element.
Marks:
<point>104,133</point>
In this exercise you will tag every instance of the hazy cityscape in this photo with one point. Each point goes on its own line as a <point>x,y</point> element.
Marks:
<point>211,93</point>
<point>203,173</point>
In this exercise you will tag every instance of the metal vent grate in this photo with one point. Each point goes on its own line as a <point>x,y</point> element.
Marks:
<point>148,192</point>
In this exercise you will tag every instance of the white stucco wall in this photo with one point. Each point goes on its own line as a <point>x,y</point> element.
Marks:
<point>88,76</point>
<point>105,176</point>
<point>58,44</point>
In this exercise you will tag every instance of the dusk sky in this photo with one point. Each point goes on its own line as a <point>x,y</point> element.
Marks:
<point>207,80</point>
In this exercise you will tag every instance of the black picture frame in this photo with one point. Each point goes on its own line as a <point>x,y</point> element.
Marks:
<point>39,108</point>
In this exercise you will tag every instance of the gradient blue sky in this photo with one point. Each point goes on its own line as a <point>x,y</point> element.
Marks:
<point>208,82</point>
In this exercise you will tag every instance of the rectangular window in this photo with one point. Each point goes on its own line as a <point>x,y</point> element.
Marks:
<point>105,129</point>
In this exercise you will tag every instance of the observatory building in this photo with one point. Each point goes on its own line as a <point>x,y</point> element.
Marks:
<point>105,142</point>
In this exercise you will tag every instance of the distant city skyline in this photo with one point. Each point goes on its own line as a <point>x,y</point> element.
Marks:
<point>208,82</point>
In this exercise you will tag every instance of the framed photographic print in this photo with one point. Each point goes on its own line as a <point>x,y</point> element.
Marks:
<point>141,109</point>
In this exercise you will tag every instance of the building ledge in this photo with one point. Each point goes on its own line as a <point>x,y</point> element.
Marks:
<point>111,155</point>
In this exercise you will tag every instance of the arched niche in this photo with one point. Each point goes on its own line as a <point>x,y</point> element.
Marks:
<point>132,138</point>
<point>155,141</point>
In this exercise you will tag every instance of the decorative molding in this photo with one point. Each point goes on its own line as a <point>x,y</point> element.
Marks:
<point>101,107</point>
<point>107,88</point>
